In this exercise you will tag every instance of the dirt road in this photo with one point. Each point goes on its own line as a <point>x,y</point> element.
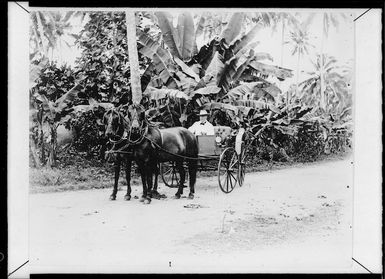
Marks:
<point>292,220</point>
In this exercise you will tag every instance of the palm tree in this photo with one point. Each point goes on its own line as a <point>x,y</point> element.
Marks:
<point>328,19</point>
<point>299,39</point>
<point>327,70</point>
<point>133,57</point>
<point>287,19</point>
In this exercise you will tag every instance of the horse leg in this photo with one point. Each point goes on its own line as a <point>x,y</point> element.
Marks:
<point>182,173</point>
<point>154,192</point>
<point>150,170</point>
<point>143,177</point>
<point>192,171</point>
<point>117,163</point>
<point>127,197</point>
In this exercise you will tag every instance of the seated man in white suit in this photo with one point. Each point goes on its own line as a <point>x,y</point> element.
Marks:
<point>202,127</point>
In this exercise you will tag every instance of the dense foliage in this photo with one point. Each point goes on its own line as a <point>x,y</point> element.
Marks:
<point>180,75</point>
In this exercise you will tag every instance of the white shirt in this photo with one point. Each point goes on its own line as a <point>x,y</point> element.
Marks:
<point>199,128</point>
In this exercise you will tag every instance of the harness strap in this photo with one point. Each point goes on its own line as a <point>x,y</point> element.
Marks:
<point>120,150</point>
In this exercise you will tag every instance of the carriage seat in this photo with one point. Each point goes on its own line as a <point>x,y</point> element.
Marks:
<point>207,144</point>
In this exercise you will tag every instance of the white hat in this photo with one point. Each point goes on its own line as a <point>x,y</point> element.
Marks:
<point>203,112</point>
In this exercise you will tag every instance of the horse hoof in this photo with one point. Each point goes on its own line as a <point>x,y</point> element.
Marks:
<point>147,201</point>
<point>127,197</point>
<point>191,196</point>
<point>177,196</point>
<point>156,195</point>
<point>112,198</point>
<point>142,199</point>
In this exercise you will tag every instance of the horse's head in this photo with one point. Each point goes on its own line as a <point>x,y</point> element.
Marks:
<point>137,119</point>
<point>113,122</point>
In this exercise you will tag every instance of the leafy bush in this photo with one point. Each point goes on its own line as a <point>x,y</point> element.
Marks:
<point>89,130</point>
<point>54,81</point>
<point>104,58</point>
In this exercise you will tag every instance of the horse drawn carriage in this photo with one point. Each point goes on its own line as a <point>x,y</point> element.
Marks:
<point>226,147</point>
<point>175,149</point>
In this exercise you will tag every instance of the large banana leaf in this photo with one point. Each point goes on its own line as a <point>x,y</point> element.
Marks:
<point>208,90</point>
<point>185,82</point>
<point>160,57</point>
<point>186,34</point>
<point>227,74</point>
<point>147,76</point>
<point>169,33</point>
<point>186,69</point>
<point>157,94</point>
<point>247,38</point>
<point>68,97</point>
<point>233,28</point>
<point>180,40</point>
<point>200,27</point>
<point>214,70</point>
<point>258,105</point>
<point>255,90</point>
<point>243,59</point>
<point>276,71</point>
<point>222,106</point>
<point>206,53</point>
<point>247,49</point>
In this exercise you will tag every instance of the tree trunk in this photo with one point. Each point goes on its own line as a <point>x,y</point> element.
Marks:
<point>133,56</point>
<point>282,44</point>
<point>52,147</point>
<point>296,87</point>
<point>42,146</point>
<point>322,87</point>
<point>33,151</point>
<point>282,40</point>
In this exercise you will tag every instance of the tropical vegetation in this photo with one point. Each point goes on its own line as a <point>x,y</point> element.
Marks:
<point>176,65</point>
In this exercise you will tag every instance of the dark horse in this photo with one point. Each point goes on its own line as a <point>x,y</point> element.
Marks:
<point>151,146</point>
<point>136,139</point>
<point>121,151</point>
<point>113,121</point>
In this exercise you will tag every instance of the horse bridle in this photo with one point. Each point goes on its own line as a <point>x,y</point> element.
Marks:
<point>143,128</point>
<point>121,138</point>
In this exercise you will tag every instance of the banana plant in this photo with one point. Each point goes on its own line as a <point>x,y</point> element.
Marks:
<point>213,77</point>
<point>52,114</point>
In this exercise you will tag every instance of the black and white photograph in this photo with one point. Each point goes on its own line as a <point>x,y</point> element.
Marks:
<point>165,140</point>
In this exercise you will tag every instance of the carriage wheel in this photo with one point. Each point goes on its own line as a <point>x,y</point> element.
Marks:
<point>227,170</point>
<point>170,175</point>
<point>242,166</point>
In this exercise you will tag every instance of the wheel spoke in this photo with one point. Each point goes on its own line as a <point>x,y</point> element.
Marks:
<point>231,183</point>
<point>167,172</point>
<point>231,173</point>
<point>233,164</point>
